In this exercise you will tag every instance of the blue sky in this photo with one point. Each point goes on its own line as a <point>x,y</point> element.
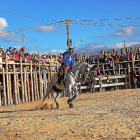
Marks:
<point>53,38</point>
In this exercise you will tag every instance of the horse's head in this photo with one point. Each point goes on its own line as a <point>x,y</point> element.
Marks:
<point>86,72</point>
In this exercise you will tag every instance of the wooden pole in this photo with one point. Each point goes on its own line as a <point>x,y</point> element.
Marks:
<point>7,82</point>
<point>10,93</point>
<point>31,75</point>
<point>15,85</point>
<point>18,94</point>
<point>28,87</point>
<point>21,76</point>
<point>25,85</point>
<point>67,27</point>
<point>34,84</point>
<point>4,88</point>
<point>37,91</point>
<point>40,78</point>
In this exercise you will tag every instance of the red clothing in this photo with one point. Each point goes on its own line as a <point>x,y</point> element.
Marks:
<point>22,50</point>
<point>109,58</point>
<point>29,59</point>
<point>116,58</point>
<point>17,57</point>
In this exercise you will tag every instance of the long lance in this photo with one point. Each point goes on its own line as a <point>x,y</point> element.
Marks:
<point>78,43</point>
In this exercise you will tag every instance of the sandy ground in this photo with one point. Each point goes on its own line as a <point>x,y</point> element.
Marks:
<point>108,115</point>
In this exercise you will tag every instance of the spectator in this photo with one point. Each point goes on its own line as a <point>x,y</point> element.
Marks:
<point>135,79</point>
<point>9,50</point>
<point>14,51</point>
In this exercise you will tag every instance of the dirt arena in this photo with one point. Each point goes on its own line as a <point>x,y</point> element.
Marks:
<point>108,115</point>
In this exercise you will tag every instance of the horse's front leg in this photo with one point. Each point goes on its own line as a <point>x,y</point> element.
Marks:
<point>71,98</point>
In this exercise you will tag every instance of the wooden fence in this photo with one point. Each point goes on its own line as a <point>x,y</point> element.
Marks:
<point>23,85</point>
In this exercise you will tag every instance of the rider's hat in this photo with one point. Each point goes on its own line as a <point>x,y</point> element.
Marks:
<point>70,49</point>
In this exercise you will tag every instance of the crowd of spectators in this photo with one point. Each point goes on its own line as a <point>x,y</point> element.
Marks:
<point>14,55</point>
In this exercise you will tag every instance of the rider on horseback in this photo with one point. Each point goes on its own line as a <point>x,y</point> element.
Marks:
<point>68,62</point>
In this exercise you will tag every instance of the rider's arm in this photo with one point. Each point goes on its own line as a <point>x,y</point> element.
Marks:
<point>65,53</point>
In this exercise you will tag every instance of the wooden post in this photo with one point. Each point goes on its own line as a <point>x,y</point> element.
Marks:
<point>21,78</point>
<point>34,84</point>
<point>7,82</point>
<point>10,93</point>
<point>18,94</point>
<point>40,78</point>
<point>37,91</point>
<point>4,89</point>
<point>15,86</point>
<point>25,85</point>
<point>28,87</point>
<point>31,75</point>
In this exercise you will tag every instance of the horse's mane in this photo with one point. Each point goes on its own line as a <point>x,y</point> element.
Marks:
<point>80,64</point>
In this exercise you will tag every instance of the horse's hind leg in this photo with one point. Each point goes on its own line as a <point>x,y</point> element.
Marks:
<point>49,90</point>
<point>56,99</point>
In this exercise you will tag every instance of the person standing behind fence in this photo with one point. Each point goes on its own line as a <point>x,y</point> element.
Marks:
<point>135,79</point>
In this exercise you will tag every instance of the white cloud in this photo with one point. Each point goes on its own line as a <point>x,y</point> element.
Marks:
<point>15,39</point>
<point>94,48</point>
<point>127,31</point>
<point>46,29</point>
<point>3,25</point>
<point>121,45</point>
<point>57,52</point>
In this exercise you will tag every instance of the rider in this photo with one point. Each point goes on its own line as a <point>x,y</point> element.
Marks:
<point>67,62</point>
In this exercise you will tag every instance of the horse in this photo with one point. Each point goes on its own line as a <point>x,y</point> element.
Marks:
<point>70,83</point>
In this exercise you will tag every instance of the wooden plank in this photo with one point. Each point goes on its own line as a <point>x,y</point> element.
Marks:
<point>7,82</point>
<point>32,88</point>
<point>21,78</point>
<point>34,84</point>
<point>25,85</point>
<point>10,93</point>
<point>4,88</point>
<point>40,79</point>
<point>18,94</point>
<point>15,86</point>
<point>28,87</point>
<point>114,84</point>
<point>37,91</point>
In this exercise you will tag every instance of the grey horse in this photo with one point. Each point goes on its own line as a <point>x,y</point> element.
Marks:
<point>72,79</point>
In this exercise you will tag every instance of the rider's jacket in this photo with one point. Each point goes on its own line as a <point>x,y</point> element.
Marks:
<point>68,59</point>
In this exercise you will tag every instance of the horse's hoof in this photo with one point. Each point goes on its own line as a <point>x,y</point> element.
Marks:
<point>68,101</point>
<point>70,105</point>
<point>59,107</point>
